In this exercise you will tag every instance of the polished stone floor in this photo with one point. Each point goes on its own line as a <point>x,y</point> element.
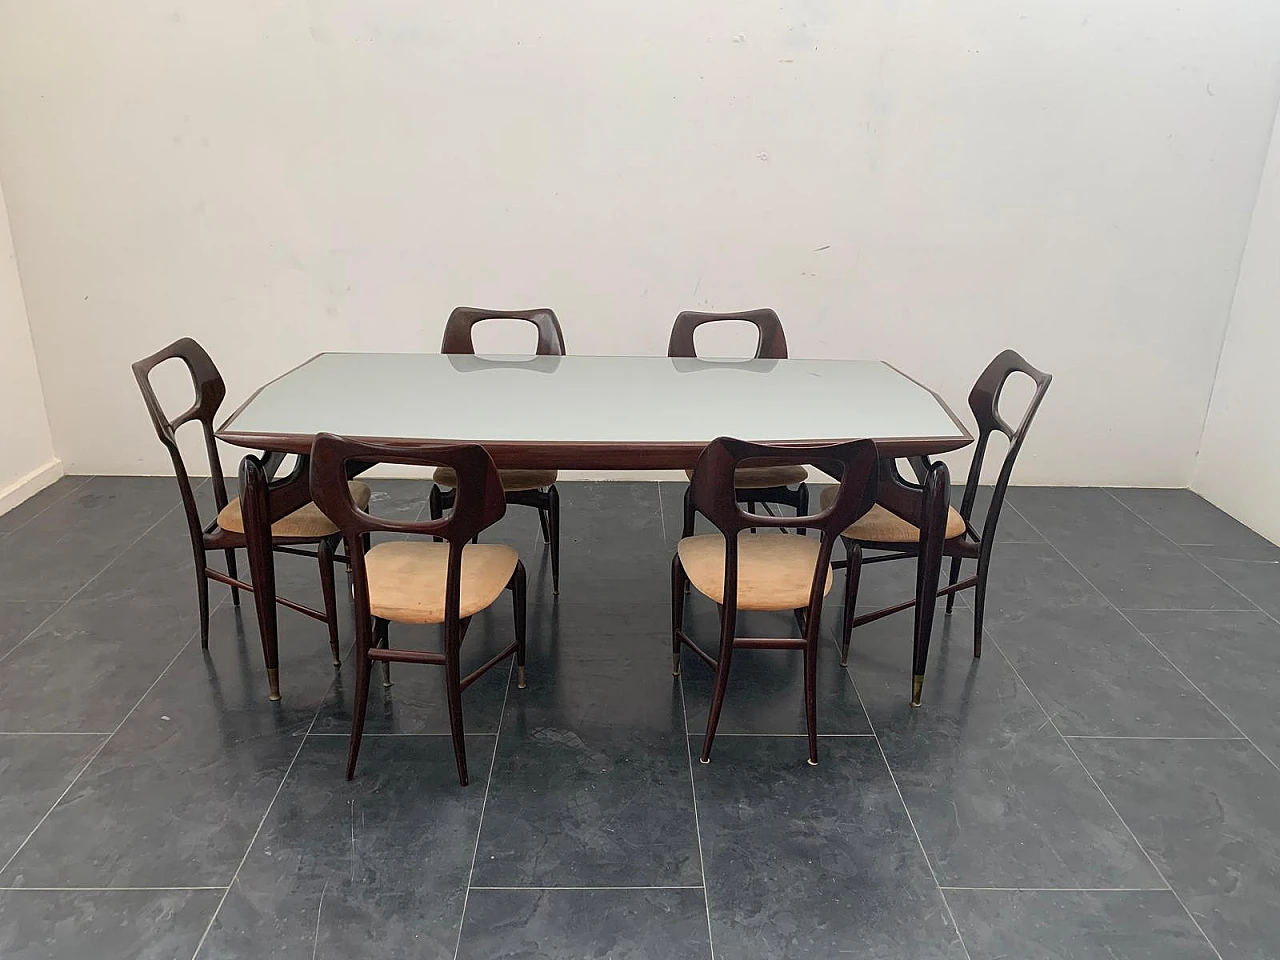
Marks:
<point>1101,784</point>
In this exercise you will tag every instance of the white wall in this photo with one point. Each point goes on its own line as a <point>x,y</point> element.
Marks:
<point>926,182</point>
<point>1239,464</point>
<point>27,461</point>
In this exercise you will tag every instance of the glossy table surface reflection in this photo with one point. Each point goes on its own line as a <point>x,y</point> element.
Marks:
<point>585,412</point>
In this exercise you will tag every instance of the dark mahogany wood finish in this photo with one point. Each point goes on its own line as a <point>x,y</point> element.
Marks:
<point>770,345</point>
<point>714,496</point>
<point>210,391</point>
<point>973,544</point>
<point>458,331</point>
<point>479,503</point>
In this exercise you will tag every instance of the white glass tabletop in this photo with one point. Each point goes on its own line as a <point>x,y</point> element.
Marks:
<point>583,411</point>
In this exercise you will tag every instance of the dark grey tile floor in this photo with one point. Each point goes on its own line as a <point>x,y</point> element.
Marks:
<point>1101,784</point>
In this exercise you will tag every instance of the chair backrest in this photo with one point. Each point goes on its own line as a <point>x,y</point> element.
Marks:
<point>713,495</point>
<point>772,344</point>
<point>457,330</point>
<point>210,392</point>
<point>480,501</point>
<point>984,401</point>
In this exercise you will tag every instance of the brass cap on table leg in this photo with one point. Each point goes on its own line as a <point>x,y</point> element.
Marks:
<point>273,681</point>
<point>917,685</point>
<point>520,677</point>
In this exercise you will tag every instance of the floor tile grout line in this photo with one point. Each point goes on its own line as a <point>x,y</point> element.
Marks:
<point>1090,736</point>
<point>1258,609</point>
<point>1088,773</point>
<point>98,750</point>
<point>302,742</point>
<point>262,822</point>
<point>488,783</point>
<point>40,513</point>
<point>1195,686</point>
<point>884,757</point>
<point>104,889</point>
<point>676,886</point>
<point>1063,889</point>
<point>697,821</point>
<point>1092,779</point>
<point>85,586</point>
<point>55,733</point>
<point>801,736</point>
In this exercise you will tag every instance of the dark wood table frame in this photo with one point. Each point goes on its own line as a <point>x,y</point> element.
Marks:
<point>264,501</point>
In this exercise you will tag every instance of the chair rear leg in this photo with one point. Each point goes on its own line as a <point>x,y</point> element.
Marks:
<point>519,593</point>
<point>202,598</point>
<point>231,572</point>
<point>802,508</point>
<point>325,552</point>
<point>435,505</point>
<point>980,602</point>
<point>542,522</point>
<point>688,513</point>
<point>677,611</point>
<point>952,577</point>
<point>382,638</point>
<point>852,577</point>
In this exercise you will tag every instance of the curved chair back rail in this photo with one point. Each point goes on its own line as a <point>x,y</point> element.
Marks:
<point>772,343</point>
<point>459,327</point>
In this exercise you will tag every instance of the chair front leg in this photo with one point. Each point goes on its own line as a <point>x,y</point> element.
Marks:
<point>360,705</point>
<point>231,572</point>
<point>952,577</point>
<point>811,680</point>
<point>453,693</point>
<point>728,627</point>
<point>553,521</point>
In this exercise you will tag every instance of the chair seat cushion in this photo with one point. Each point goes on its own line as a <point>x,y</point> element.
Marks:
<point>513,481</point>
<point>307,522</point>
<point>761,478</point>
<point>775,570</point>
<point>407,578</point>
<point>879,525</point>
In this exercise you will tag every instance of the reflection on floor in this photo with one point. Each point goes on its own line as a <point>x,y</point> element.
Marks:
<point>1101,784</point>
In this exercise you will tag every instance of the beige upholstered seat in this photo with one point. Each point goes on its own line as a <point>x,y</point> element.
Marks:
<point>775,571</point>
<point>513,481</point>
<point>879,525</point>
<point>305,522</point>
<point>407,578</point>
<point>761,478</point>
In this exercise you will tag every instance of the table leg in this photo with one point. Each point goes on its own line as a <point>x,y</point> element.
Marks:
<point>255,509</point>
<point>933,528</point>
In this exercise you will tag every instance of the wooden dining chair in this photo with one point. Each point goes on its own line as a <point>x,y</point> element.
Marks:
<point>305,526</point>
<point>418,580</point>
<point>755,484</point>
<point>763,571</point>
<point>883,530</point>
<point>530,488</point>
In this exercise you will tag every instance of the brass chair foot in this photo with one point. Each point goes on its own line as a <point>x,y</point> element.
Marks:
<point>675,664</point>
<point>273,681</point>
<point>812,763</point>
<point>520,677</point>
<point>917,685</point>
<point>708,760</point>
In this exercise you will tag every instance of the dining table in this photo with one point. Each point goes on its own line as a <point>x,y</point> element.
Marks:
<point>604,413</point>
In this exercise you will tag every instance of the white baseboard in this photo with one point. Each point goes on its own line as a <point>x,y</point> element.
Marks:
<point>29,485</point>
